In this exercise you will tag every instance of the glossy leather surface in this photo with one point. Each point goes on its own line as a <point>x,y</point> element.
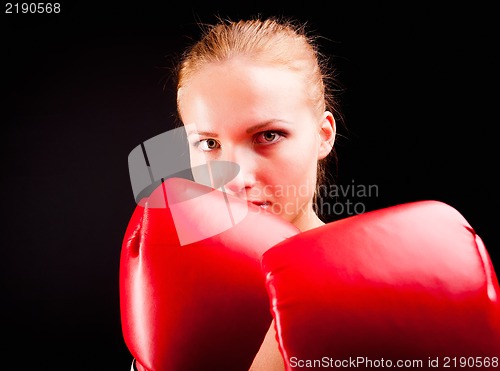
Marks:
<point>406,282</point>
<point>192,294</point>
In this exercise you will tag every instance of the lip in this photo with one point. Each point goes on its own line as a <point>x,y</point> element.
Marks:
<point>262,204</point>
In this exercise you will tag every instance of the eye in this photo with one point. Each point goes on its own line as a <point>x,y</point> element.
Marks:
<point>208,144</point>
<point>268,137</point>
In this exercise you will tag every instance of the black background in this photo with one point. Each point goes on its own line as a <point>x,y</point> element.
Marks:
<point>83,87</point>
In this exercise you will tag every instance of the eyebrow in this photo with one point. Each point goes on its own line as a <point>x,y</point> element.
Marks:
<point>250,130</point>
<point>257,127</point>
<point>203,133</point>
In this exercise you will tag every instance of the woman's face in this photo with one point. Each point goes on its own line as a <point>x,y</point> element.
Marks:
<point>258,116</point>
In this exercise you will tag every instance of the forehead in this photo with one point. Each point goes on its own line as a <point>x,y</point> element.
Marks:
<point>241,88</point>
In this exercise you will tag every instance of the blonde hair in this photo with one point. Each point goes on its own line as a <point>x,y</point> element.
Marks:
<point>279,41</point>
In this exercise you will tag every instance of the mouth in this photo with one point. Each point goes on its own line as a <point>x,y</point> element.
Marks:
<point>262,204</point>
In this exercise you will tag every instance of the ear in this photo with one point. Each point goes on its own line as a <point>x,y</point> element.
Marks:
<point>327,131</point>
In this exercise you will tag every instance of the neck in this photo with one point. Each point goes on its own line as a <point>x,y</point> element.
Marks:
<point>307,220</point>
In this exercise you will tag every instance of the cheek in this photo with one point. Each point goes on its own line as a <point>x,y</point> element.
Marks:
<point>301,157</point>
<point>295,172</point>
<point>196,157</point>
<point>199,170</point>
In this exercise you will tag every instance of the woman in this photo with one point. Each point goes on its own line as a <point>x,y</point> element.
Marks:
<point>256,93</point>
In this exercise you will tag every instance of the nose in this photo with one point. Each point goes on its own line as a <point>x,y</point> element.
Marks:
<point>245,179</point>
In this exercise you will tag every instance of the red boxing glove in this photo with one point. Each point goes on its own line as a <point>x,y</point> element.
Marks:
<point>192,293</point>
<point>389,288</point>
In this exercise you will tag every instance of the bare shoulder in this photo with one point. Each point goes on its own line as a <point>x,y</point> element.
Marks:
<point>269,357</point>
